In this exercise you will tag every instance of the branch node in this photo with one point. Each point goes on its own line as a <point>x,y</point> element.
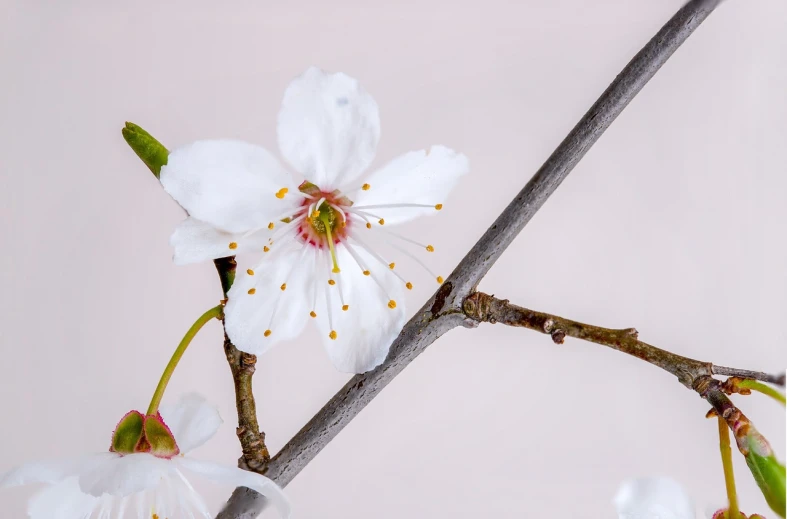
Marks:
<point>558,336</point>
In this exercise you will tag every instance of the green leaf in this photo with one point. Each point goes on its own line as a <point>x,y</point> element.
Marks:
<point>158,435</point>
<point>147,148</point>
<point>768,473</point>
<point>128,433</point>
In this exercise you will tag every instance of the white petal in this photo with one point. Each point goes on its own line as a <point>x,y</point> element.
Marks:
<point>195,241</point>
<point>231,185</point>
<point>62,500</point>
<point>328,127</point>
<point>416,177</point>
<point>192,421</point>
<point>125,475</point>
<point>39,472</point>
<point>653,498</point>
<point>248,316</point>
<point>365,331</point>
<point>235,477</point>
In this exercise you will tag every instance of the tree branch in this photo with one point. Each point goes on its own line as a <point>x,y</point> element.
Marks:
<point>444,310</point>
<point>753,375</point>
<point>252,440</point>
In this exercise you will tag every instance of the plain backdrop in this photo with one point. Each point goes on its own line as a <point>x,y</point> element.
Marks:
<point>673,223</point>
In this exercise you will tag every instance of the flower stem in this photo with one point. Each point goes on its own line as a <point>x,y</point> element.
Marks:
<point>729,476</point>
<point>762,388</point>
<point>214,312</point>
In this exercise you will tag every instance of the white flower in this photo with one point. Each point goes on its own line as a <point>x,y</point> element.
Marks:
<point>140,485</point>
<point>653,498</point>
<point>316,260</point>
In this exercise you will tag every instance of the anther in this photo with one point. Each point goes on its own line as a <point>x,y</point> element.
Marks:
<point>249,272</point>
<point>391,265</point>
<point>345,307</point>
<point>368,225</point>
<point>313,314</point>
<point>391,304</point>
<point>271,226</point>
<point>440,279</point>
<point>331,282</point>
<point>366,273</point>
<point>267,333</point>
<point>430,248</point>
<point>233,245</point>
<point>281,192</point>
<point>381,221</point>
<point>283,286</point>
<point>332,335</point>
<point>365,187</point>
<point>252,291</point>
<point>438,206</point>
<point>409,285</point>
<point>266,249</point>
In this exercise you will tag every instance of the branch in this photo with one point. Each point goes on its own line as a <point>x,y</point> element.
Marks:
<point>444,310</point>
<point>752,375</point>
<point>255,453</point>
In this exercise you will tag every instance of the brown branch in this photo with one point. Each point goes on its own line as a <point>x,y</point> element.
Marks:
<point>255,454</point>
<point>485,308</point>
<point>752,375</point>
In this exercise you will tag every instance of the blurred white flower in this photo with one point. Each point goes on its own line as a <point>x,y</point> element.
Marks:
<point>653,498</point>
<point>316,261</point>
<point>140,485</point>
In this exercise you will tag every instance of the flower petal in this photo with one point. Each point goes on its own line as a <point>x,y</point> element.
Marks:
<point>231,185</point>
<point>653,498</point>
<point>328,127</point>
<point>249,315</point>
<point>192,421</point>
<point>366,330</point>
<point>49,471</point>
<point>235,477</point>
<point>124,475</point>
<point>195,241</point>
<point>416,177</point>
<point>63,500</point>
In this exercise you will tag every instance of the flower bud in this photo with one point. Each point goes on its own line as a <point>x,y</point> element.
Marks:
<point>147,148</point>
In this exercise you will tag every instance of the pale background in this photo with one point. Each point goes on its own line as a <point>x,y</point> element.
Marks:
<point>674,223</point>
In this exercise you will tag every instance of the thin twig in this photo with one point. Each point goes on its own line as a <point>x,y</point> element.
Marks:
<point>444,310</point>
<point>252,440</point>
<point>753,375</point>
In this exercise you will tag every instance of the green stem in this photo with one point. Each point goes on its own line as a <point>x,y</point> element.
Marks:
<point>214,312</point>
<point>729,476</point>
<point>762,388</point>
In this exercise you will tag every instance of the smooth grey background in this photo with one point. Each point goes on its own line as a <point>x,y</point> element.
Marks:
<point>674,223</point>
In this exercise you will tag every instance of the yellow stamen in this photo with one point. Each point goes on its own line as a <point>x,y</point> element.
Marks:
<point>271,226</point>
<point>252,291</point>
<point>281,192</point>
<point>267,333</point>
<point>366,273</point>
<point>313,313</point>
<point>430,248</point>
<point>154,516</point>
<point>365,187</point>
<point>249,272</point>
<point>381,221</point>
<point>409,285</point>
<point>331,282</point>
<point>391,265</point>
<point>368,225</point>
<point>345,307</point>
<point>283,286</point>
<point>332,335</point>
<point>233,245</point>
<point>315,213</point>
<point>438,206</point>
<point>336,270</point>
<point>440,279</point>
<point>391,304</point>
<point>266,249</point>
